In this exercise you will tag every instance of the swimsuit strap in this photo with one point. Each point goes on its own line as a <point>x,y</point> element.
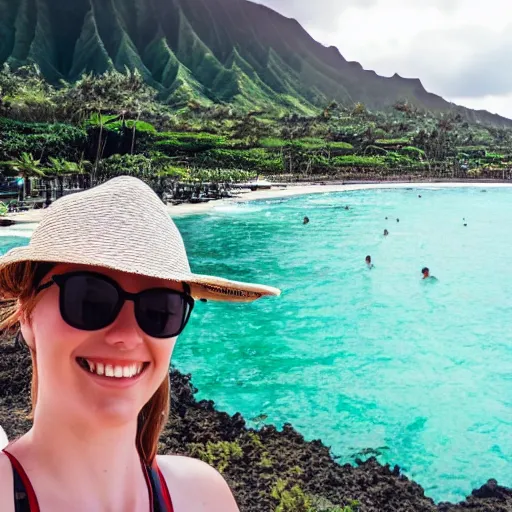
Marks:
<point>158,490</point>
<point>25,499</point>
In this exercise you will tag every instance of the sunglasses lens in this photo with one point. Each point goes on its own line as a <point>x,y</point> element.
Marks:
<point>161,313</point>
<point>88,303</point>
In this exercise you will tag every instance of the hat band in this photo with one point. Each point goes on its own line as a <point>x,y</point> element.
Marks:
<point>231,292</point>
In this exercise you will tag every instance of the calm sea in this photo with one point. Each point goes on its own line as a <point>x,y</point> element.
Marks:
<point>369,361</point>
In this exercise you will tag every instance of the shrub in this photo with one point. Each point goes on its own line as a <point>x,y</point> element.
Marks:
<point>340,145</point>
<point>40,139</point>
<point>219,455</point>
<point>309,143</point>
<point>358,161</point>
<point>290,499</point>
<point>140,126</point>
<point>138,166</point>
<point>272,142</point>
<point>392,142</point>
<point>256,159</point>
<point>412,152</point>
<point>175,142</point>
<point>321,504</point>
<point>221,175</point>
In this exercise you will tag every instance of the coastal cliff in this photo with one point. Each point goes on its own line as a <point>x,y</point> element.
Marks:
<point>264,468</point>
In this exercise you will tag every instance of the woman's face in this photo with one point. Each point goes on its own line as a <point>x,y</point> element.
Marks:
<point>66,385</point>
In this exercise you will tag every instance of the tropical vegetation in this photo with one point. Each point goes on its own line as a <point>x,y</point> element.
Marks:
<point>104,126</point>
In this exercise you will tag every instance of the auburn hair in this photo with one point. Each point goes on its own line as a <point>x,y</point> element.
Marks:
<point>18,285</point>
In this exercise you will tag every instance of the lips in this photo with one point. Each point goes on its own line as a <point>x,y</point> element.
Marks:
<point>125,370</point>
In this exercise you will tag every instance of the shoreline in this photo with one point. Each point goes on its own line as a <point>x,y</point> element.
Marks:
<point>255,461</point>
<point>304,189</point>
<point>288,190</point>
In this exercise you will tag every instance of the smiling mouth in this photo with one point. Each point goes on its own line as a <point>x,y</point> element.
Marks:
<point>127,371</point>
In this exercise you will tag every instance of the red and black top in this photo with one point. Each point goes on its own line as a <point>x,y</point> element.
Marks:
<point>25,499</point>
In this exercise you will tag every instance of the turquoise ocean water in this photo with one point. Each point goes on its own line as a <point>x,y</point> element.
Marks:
<point>379,359</point>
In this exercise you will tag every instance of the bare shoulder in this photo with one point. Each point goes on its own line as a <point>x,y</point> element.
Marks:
<point>6,485</point>
<point>195,486</point>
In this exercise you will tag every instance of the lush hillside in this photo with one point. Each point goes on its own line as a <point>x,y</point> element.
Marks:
<point>115,122</point>
<point>209,51</point>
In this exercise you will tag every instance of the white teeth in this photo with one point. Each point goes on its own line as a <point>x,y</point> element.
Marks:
<point>117,371</point>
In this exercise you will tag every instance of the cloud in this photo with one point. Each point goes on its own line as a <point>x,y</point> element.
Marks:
<point>467,62</point>
<point>499,104</point>
<point>482,70</point>
<point>458,48</point>
<point>320,14</point>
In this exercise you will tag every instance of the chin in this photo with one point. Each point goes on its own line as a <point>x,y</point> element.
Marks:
<point>116,413</point>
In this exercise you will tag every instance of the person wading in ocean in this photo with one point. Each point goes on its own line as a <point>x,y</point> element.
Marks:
<point>426,274</point>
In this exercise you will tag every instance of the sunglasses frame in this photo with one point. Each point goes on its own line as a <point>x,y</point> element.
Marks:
<point>61,279</point>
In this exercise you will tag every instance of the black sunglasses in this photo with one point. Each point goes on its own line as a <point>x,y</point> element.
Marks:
<point>89,301</point>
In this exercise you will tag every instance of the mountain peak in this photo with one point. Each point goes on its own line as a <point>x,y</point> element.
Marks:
<point>231,51</point>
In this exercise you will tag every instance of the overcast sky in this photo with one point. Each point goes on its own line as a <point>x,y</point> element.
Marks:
<point>460,49</point>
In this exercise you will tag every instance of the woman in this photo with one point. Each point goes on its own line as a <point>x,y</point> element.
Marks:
<point>101,294</point>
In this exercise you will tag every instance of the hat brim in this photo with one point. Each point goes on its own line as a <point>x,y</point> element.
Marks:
<point>201,286</point>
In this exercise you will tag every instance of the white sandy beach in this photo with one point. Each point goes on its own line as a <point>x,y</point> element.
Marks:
<point>295,190</point>
<point>35,216</point>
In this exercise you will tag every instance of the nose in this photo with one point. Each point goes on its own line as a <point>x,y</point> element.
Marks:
<point>124,333</point>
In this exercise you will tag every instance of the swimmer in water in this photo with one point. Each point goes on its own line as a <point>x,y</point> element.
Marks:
<point>347,208</point>
<point>426,274</point>
<point>398,220</point>
<point>386,232</point>
<point>369,263</point>
<point>306,220</point>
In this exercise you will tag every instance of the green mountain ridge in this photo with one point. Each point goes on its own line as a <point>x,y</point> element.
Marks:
<point>210,51</point>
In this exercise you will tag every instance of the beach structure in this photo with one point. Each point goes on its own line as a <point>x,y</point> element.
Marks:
<point>260,184</point>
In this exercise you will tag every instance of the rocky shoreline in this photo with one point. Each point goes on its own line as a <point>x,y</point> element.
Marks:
<point>265,468</point>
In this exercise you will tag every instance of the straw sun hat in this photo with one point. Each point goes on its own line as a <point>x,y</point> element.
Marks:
<point>123,225</point>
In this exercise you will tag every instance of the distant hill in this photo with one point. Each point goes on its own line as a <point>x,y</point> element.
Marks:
<point>211,51</point>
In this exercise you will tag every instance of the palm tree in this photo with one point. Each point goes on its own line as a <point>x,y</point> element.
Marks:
<point>61,168</point>
<point>27,167</point>
<point>58,170</point>
<point>83,168</point>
